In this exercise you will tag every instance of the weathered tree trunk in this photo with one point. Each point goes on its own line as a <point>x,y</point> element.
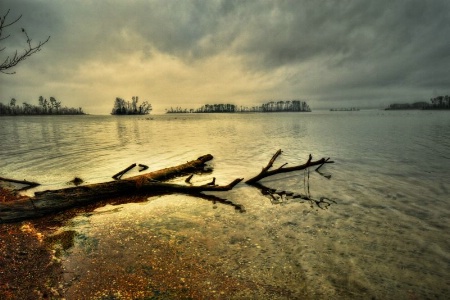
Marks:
<point>53,201</point>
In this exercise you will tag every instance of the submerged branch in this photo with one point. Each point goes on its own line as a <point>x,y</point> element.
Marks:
<point>28,184</point>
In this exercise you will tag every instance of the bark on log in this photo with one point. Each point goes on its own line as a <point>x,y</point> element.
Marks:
<point>53,201</point>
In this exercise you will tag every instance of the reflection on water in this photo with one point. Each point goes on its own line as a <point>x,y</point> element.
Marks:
<point>386,237</point>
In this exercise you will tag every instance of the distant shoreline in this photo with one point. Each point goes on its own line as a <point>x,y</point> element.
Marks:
<point>437,103</point>
<point>418,108</point>
<point>40,115</point>
<point>237,112</point>
<point>345,109</point>
<point>46,107</point>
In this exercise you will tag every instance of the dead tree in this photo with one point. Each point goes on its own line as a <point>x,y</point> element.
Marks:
<point>53,201</point>
<point>266,172</point>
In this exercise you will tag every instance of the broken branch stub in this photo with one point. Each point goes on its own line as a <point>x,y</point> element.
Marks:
<point>28,184</point>
<point>121,173</point>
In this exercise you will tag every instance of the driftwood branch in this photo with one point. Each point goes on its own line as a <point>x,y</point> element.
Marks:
<point>158,187</point>
<point>266,172</point>
<point>278,197</point>
<point>28,184</point>
<point>327,176</point>
<point>121,173</point>
<point>53,201</point>
<point>142,167</point>
<point>188,179</point>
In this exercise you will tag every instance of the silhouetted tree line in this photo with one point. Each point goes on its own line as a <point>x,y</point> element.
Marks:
<point>45,107</point>
<point>440,102</point>
<point>272,106</point>
<point>281,106</point>
<point>123,107</point>
<point>179,110</point>
<point>217,108</point>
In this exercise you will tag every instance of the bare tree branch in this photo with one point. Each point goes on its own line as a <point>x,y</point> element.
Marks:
<point>13,60</point>
<point>3,25</point>
<point>266,173</point>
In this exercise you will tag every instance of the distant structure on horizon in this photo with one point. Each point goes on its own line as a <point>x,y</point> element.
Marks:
<point>123,107</point>
<point>440,102</point>
<point>272,106</point>
<point>345,109</point>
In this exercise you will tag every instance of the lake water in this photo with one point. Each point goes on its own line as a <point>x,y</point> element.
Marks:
<point>385,236</point>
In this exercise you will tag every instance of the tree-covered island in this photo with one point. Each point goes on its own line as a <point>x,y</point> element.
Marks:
<point>123,107</point>
<point>439,102</point>
<point>272,106</point>
<point>44,107</point>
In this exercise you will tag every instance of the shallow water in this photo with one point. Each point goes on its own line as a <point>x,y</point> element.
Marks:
<point>386,237</point>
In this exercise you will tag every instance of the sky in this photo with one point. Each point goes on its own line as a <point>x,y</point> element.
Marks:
<point>187,53</point>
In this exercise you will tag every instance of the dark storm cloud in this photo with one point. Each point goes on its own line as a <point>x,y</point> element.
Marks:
<point>282,32</point>
<point>269,34</point>
<point>375,43</point>
<point>335,47</point>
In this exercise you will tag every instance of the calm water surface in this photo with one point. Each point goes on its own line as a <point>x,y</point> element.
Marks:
<point>386,237</point>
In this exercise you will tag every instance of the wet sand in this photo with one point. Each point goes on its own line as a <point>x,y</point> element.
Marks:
<point>183,247</point>
<point>128,252</point>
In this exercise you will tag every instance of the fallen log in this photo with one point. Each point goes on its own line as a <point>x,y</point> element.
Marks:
<point>49,202</point>
<point>53,201</point>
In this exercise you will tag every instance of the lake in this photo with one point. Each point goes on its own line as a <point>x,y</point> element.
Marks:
<point>384,235</point>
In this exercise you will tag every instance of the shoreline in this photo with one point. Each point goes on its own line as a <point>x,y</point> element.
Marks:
<point>36,266</point>
<point>29,268</point>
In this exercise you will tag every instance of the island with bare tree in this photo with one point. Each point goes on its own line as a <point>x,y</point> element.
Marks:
<point>123,107</point>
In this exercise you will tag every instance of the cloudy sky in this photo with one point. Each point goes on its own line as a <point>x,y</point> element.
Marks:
<point>188,53</point>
